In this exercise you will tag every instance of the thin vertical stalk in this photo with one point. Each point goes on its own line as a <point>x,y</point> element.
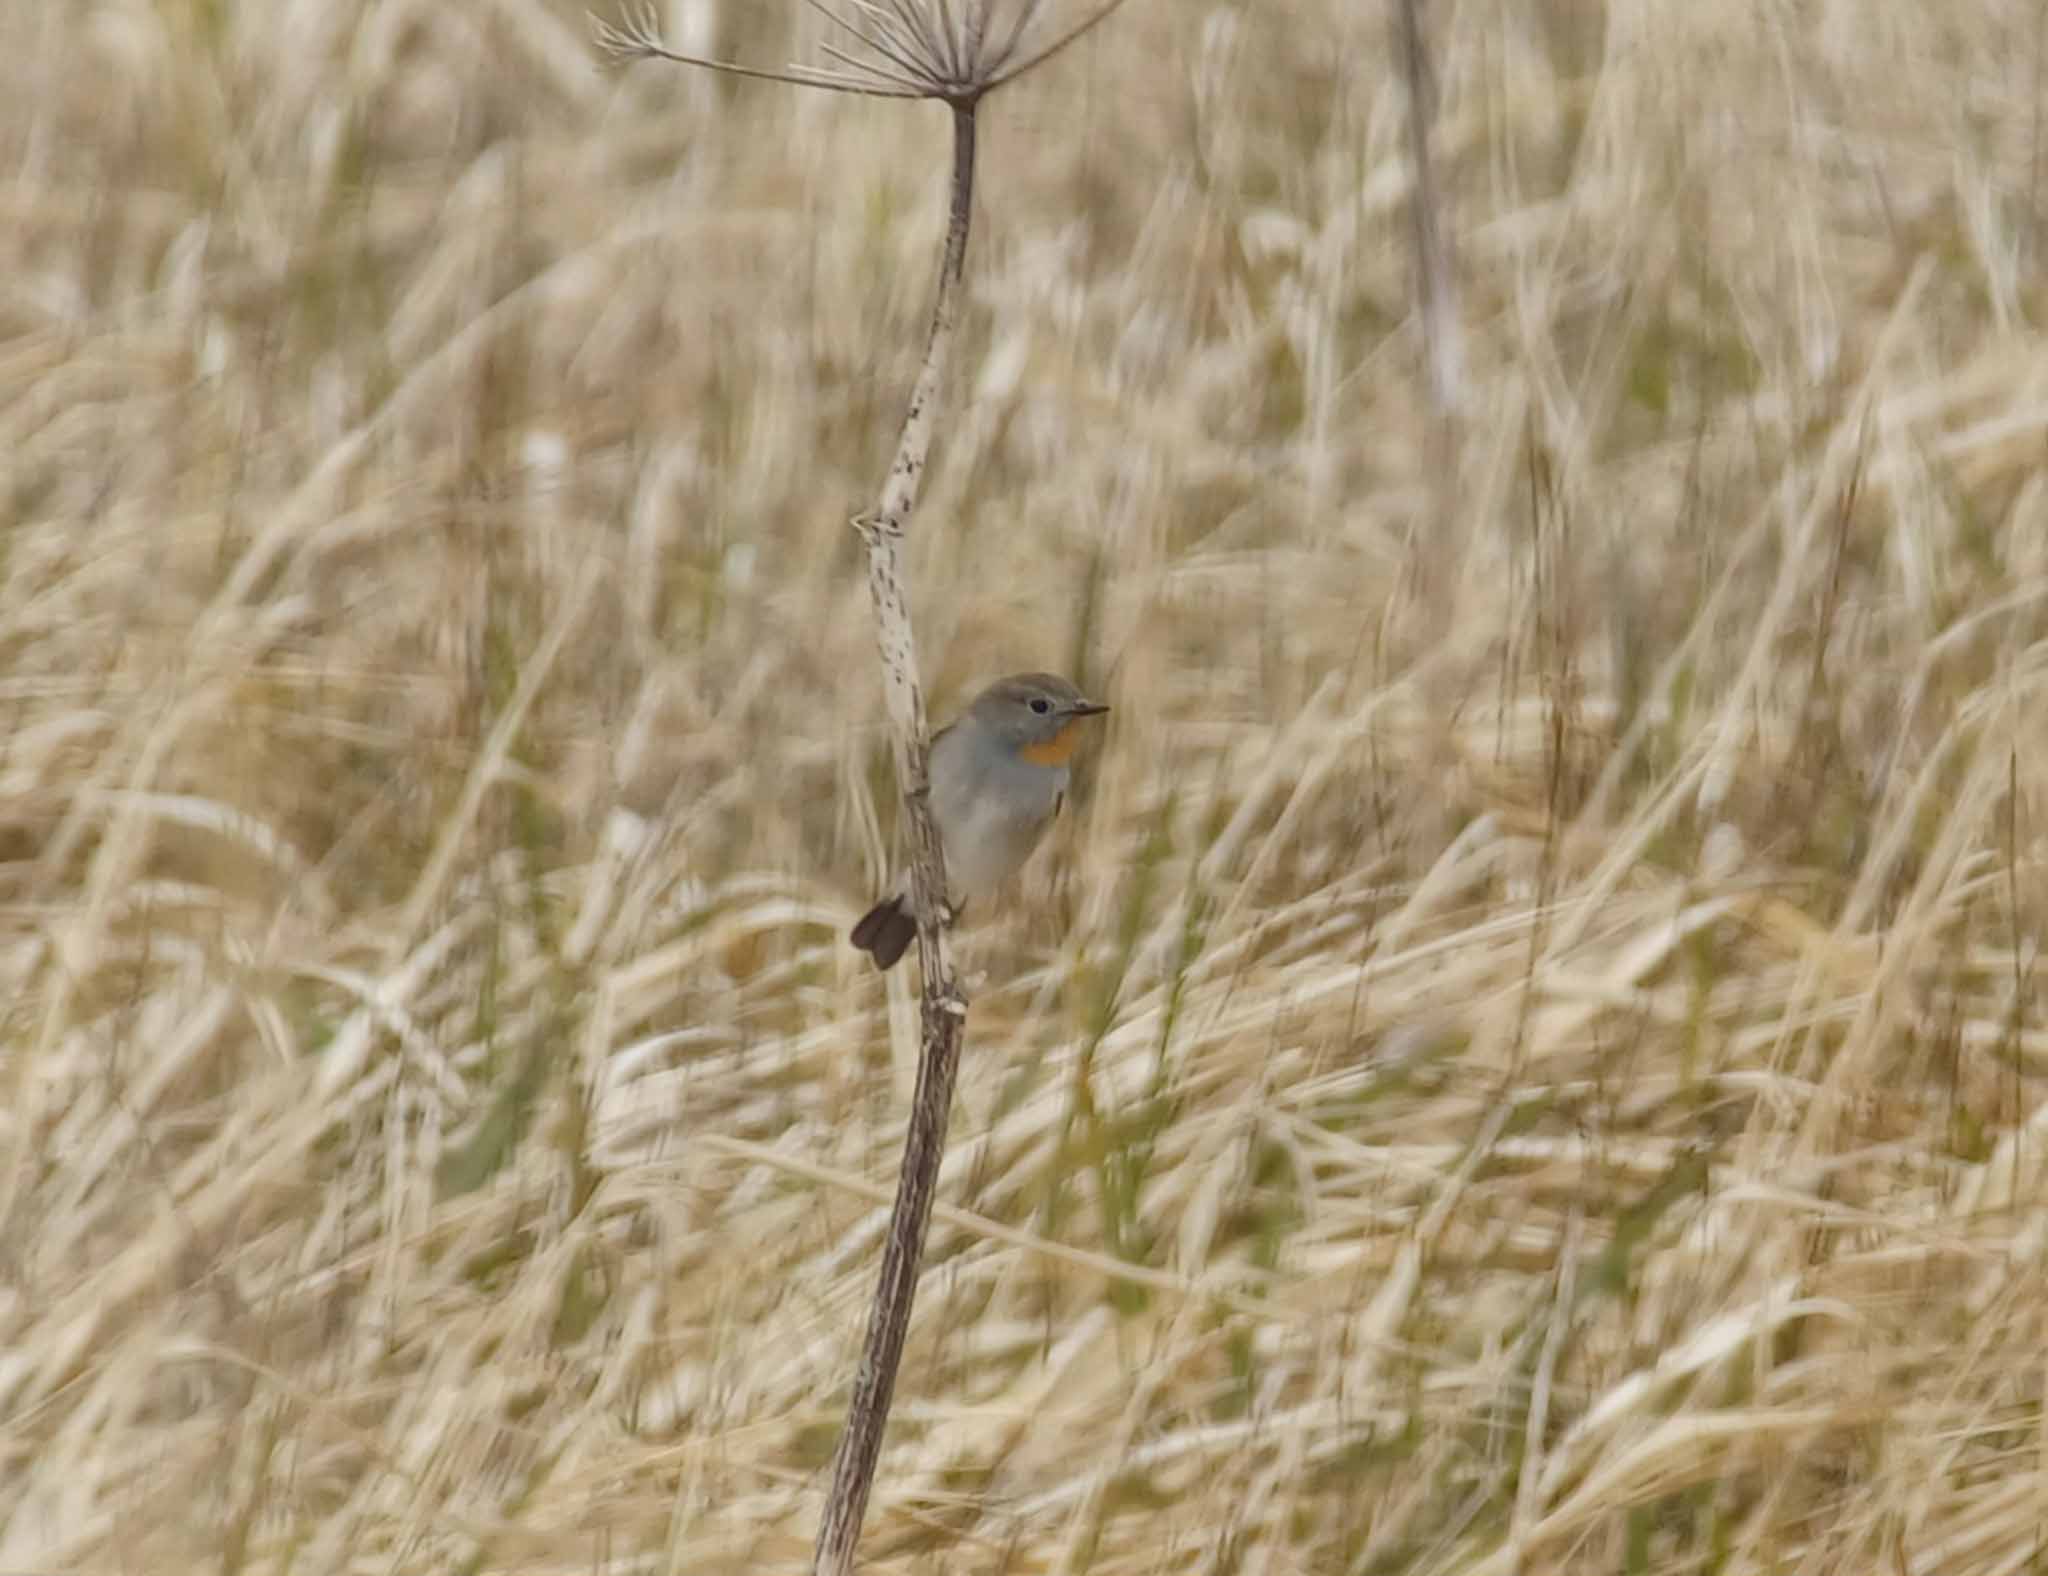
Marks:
<point>1436,288</point>
<point>1435,554</point>
<point>912,49</point>
<point>943,1009</point>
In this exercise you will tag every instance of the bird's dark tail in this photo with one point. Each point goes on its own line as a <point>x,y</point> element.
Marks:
<point>885,931</point>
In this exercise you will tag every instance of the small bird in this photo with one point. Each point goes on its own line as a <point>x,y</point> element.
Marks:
<point>998,777</point>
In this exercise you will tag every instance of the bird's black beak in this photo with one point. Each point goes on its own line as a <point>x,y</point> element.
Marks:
<point>1087,708</point>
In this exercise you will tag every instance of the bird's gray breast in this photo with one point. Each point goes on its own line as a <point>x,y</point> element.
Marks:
<point>991,808</point>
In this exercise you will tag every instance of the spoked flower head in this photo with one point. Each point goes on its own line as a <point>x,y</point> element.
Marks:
<point>956,51</point>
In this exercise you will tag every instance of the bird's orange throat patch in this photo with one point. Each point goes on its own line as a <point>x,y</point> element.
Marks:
<point>1057,750</point>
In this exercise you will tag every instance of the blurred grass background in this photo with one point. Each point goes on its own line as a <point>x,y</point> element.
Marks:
<point>1526,1055</point>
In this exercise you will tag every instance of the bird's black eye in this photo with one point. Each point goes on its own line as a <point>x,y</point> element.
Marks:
<point>1040,705</point>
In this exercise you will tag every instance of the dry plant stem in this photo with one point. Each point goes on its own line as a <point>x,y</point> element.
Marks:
<point>1436,291</point>
<point>944,1008</point>
<point>1436,302</point>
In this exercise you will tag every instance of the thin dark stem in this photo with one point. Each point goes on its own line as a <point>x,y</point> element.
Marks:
<point>874,1385</point>
<point>1435,286</point>
<point>973,27</point>
<point>1020,21</point>
<point>867,70</point>
<point>919,21</point>
<point>1039,57</point>
<point>625,47</point>
<point>876,41</point>
<point>950,57</point>
<point>943,1008</point>
<point>2033,236</point>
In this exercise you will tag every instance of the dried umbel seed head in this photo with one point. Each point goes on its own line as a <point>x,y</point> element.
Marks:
<point>925,49</point>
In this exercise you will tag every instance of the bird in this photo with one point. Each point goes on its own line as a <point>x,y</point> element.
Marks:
<point>998,776</point>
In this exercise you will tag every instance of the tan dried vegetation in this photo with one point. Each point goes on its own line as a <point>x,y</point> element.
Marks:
<point>1527,1056</point>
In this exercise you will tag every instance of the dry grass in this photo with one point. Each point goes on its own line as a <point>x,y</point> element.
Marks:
<point>1526,1059</point>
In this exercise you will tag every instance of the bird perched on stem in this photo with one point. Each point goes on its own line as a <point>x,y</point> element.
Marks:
<point>998,777</point>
